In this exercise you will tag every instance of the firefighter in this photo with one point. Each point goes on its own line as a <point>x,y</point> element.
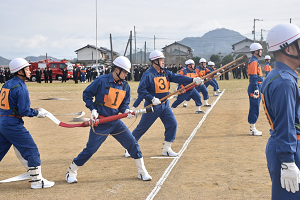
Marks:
<point>112,95</point>
<point>64,75</point>
<point>211,68</point>
<point>38,74</point>
<point>155,85</point>
<point>13,108</point>
<point>46,75</point>
<point>267,66</point>
<point>49,74</point>
<point>200,72</point>
<point>75,74</point>
<point>2,75</point>
<point>190,94</point>
<point>254,88</point>
<point>83,74</point>
<point>7,74</point>
<point>280,97</point>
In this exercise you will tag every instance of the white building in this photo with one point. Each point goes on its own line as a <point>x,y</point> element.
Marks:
<point>177,53</point>
<point>88,54</point>
<point>242,47</point>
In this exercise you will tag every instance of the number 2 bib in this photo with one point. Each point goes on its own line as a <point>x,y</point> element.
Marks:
<point>114,98</point>
<point>4,104</point>
<point>161,85</point>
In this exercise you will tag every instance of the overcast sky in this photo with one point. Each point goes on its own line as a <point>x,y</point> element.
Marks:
<point>59,27</point>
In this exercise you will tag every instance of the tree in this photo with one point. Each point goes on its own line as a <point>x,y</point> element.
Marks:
<point>227,59</point>
<point>245,60</point>
<point>196,59</point>
<point>215,58</point>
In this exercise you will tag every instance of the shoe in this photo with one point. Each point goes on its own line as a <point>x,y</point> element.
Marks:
<point>145,177</point>
<point>219,91</point>
<point>207,105</point>
<point>184,105</point>
<point>169,153</point>
<point>215,95</point>
<point>142,172</point>
<point>37,180</point>
<point>72,173</point>
<point>199,112</point>
<point>42,183</point>
<point>255,132</point>
<point>127,155</point>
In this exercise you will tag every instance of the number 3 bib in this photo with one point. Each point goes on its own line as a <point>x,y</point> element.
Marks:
<point>114,98</point>
<point>161,85</point>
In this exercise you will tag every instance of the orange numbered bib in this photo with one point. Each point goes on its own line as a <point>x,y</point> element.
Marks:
<point>192,75</point>
<point>161,85</point>
<point>4,104</point>
<point>114,98</point>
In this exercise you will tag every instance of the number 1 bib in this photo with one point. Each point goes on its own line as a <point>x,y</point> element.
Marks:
<point>114,98</point>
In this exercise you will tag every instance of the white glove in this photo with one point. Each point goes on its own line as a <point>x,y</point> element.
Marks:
<point>132,108</point>
<point>129,116</point>
<point>256,94</point>
<point>290,177</point>
<point>218,73</point>
<point>155,101</point>
<point>198,81</point>
<point>41,113</point>
<point>94,114</point>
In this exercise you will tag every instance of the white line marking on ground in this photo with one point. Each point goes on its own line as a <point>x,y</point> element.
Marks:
<point>173,163</point>
<point>161,157</point>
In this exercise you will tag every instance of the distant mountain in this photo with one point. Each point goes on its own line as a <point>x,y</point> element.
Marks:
<point>38,58</point>
<point>4,61</point>
<point>213,42</point>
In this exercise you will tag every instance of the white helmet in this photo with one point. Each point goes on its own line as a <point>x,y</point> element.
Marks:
<point>281,36</point>
<point>189,61</point>
<point>202,60</point>
<point>156,55</point>
<point>17,64</point>
<point>123,63</point>
<point>267,57</point>
<point>255,46</point>
<point>210,63</point>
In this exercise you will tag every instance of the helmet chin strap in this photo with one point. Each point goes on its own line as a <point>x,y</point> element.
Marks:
<point>157,64</point>
<point>258,53</point>
<point>24,74</point>
<point>291,56</point>
<point>118,74</point>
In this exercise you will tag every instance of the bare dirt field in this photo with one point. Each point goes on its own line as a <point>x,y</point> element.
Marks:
<point>218,159</point>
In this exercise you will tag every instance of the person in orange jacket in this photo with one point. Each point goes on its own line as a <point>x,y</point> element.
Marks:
<point>267,67</point>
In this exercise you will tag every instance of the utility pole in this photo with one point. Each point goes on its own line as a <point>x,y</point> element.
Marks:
<point>131,54</point>
<point>141,56</point>
<point>253,32</point>
<point>96,44</point>
<point>154,42</point>
<point>111,48</point>
<point>135,44</point>
<point>145,54</point>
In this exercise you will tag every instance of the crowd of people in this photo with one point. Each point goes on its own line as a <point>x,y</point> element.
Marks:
<point>5,75</point>
<point>109,94</point>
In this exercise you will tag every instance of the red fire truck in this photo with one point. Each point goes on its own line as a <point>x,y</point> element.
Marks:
<point>56,67</point>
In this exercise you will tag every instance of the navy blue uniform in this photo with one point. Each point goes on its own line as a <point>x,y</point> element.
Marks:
<point>15,104</point>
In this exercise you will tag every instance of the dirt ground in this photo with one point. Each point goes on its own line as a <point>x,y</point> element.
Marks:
<point>221,161</point>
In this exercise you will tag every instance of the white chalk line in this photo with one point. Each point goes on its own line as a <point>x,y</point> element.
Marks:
<point>173,163</point>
